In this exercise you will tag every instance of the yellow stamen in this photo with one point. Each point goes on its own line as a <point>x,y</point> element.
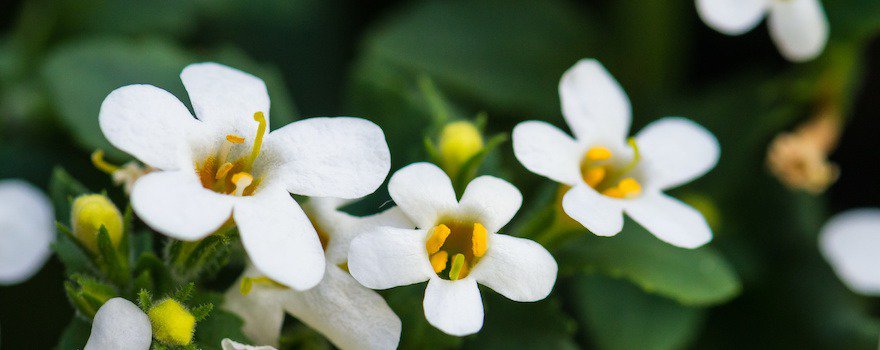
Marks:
<point>439,260</point>
<point>258,141</point>
<point>247,284</point>
<point>241,180</point>
<point>233,138</point>
<point>479,239</point>
<point>437,237</point>
<point>598,153</point>
<point>457,265</point>
<point>224,169</point>
<point>630,186</point>
<point>594,176</point>
<point>102,165</point>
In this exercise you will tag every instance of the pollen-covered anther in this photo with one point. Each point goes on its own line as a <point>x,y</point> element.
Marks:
<point>437,237</point>
<point>241,180</point>
<point>439,260</point>
<point>598,153</point>
<point>626,188</point>
<point>231,140</point>
<point>479,240</point>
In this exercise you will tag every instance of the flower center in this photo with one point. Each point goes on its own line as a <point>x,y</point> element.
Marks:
<point>608,176</point>
<point>455,247</point>
<point>233,177</point>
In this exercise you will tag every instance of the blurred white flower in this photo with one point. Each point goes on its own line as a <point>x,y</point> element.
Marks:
<point>610,175</point>
<point>798,27</point>
<point>120,325</point>
<point>455,246</point>
<point>850,241</point>
<point>226,165</point>
<point>348,314</point>
<point>26,230</point>
<point>228,344</point>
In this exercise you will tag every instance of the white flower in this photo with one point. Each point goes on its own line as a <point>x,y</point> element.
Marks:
<point>455,246</point>
<point>348,314</point>
<point>225,165</point>
<point>850,241</point>
<point>798,27</point>
<point>120,325</point>
<point>26,230</point>
<point>228,344</point>
<point>610,175</point>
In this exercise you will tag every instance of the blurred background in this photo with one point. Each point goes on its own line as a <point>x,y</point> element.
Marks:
<point>760,283</point>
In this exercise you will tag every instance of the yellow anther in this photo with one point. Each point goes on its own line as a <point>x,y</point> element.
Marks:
<point>241,180</point>
<point>598,153</point>
<point>437,236</point>
<point>630,186</point>
<point>102,165</point>
<point>233,138</point>
<point>479,239</point>
<point>172,323</point>
<point>457,265</point>
<point>594,176</point>
<point>224,169</point>
<point>439,260</point>
<point>246,285</point>
<point>258,140</point>
<point>613,192</point>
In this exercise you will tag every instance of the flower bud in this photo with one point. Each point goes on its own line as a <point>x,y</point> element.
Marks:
<point>172,323</point>
<point>459,142</point>
<point>89,213</point>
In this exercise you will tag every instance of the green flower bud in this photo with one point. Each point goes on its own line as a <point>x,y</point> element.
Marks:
<point>172,323</point>
<point>459,142</point>
<point>89,213</point>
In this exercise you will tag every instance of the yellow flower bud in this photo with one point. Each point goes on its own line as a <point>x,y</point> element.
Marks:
<point>91,211</point>
<point>172,323</point>
<point>459,141</point>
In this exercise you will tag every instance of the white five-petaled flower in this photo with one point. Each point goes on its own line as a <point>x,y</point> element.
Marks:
<point>121,325</point>
<point>610,175</point>
<point>850,241</point>
<point>455,246</point>
<point>798,27</point>
<point>26,230</point>
<point>226,165</point>
<point>348,314</point>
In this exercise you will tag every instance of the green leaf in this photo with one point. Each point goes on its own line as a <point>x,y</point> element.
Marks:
<point>112,263</point>
<point>219,324</point>
<point>63,188</point>
<point>618,315</point>
<point>512,325</point>
<point>693,277</point>
<point>75,335</point>
<point>129,17</point>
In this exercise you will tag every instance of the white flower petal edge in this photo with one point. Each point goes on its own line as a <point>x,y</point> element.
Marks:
<point>517,268</point>
<point>387,257</point>
<point>670,220</point>
<point>349,315</point>
<point>850,241</point>
<point>225,96</point>
<point>601,215</point>
<point>545,150</point>
<point>174,203</point>
<point>229,344</point>
<point>423,192</point>
<point>593,103</point>
<point>732,17</point>
<point>355,165</point>
<point>676,151</point>
<point>454,307</point>
<point>799,28</point>
<point>494,200</point>
<point>26,230</point>
<point>260,310</point>
<point>120,325</point>
<point>280,239</point>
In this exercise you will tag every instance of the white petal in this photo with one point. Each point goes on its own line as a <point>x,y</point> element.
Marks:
<point>331,157</point>
<point>342,227</point>
<point>732,17</point>
<point>601,215</point>
<point>670,220</point>
<point>851,243</point>
<point>226,98</point>
<point>799,28</point>
<point>423,192</point>
<point>675,151</point>
<point>150,124</point>
<point>593,103</point>
<point>228,344</point>
<point>175,204</point>
<point>517,268</point>
<point>389,257</point>
<point>496,201</point>
<point>260,310</point>
<point>547,151</point>
<point>120,325</point>
<point>280,239</point>
<point>454,307</point>
<point>348,314</point>
<point>26,230</point>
